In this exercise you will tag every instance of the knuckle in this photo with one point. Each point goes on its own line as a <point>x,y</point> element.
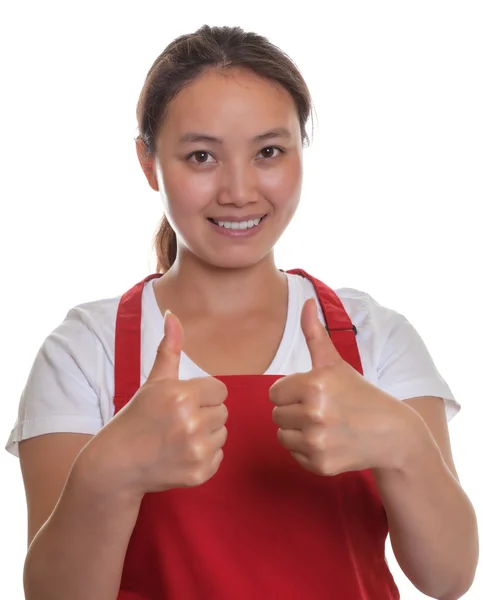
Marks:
<point>197,451</point>
<point>190,426</point>
<point>328,468</point>
<point>317,384</point>
<point>171,391</point>
<point>187,418</point>
<point>320,380</point>
<point>190,422</point>
<point>195,478</point>
<point>316,413</point>
<point>333,469</point>
<point>315,438</point>
<point>181,392</point>
<point>324,464</point>
<point>314,391</point>
<point>217,460</point>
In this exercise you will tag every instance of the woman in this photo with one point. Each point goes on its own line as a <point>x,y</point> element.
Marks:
<point>265,443</point>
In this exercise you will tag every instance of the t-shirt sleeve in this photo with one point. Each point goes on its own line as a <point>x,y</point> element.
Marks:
<point>60,393</point>
<point>405,368</point>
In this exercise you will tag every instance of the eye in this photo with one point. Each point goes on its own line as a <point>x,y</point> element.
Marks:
<point>200,157</point>
<point>269,152</point>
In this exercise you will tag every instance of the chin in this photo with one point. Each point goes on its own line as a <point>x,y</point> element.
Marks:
<point>234,262</point>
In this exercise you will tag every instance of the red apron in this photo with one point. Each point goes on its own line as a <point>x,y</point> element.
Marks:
<point>262,528</point>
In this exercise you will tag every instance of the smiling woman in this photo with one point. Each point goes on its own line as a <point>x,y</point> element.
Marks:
<point>219,431</point>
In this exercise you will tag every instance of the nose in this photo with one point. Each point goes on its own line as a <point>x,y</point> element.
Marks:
<point>237,185</point>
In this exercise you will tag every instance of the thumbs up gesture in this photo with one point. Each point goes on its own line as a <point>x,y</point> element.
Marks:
<point>331,418</point>
<point>171,433</point>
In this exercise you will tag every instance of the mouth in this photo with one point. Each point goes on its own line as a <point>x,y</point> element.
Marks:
<point>239,225</point>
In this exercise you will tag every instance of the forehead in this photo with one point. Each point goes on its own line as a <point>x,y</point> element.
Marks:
<point>233,100</point>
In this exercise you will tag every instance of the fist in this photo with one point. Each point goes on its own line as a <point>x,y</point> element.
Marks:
<point>171,433</point>
<point>331,418</point>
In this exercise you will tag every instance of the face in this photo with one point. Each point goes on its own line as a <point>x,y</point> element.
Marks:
<point>229,164</point>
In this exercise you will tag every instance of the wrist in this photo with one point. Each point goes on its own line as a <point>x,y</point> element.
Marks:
<point>412,445</point>
<point>101,478</point>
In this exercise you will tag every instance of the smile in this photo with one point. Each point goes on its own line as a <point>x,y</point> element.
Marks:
<point>238,224</point>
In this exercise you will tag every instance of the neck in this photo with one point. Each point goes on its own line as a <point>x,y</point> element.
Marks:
<point>194,287</point>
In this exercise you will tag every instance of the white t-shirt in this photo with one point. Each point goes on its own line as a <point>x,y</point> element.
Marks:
<point>71,384</point>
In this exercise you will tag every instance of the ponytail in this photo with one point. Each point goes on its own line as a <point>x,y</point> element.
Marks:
<point>165,246</point>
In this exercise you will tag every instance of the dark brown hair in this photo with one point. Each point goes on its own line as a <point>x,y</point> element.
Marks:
<point>184,59</point>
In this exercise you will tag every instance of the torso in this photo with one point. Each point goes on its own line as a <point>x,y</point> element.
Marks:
<point>258,482</point>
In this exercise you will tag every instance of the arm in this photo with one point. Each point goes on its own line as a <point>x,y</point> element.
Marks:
<point>432,523</point>
<point>333,420</point>
<point>78,552</point>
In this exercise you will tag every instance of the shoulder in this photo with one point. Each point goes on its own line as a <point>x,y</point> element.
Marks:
<point>84,330</point>
<point>373,320</point>
<point>387,331</point>
<point>96,316</point>
<point>370,314</point>
<point>86,325</point>
<point>78,346</point>
<point>382,330</point>
<point>92,325</point>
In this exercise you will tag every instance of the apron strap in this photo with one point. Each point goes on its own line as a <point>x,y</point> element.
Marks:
<point>127,344</point>
<point>338,324</point>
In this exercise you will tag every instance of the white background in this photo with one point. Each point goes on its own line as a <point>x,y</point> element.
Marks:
<point>393,180</point>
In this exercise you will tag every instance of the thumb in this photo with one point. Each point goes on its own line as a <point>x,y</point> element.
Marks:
<point>322,350</point>
<point>166,363</point>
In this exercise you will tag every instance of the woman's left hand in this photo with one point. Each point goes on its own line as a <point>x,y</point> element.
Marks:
<point>333,420</point>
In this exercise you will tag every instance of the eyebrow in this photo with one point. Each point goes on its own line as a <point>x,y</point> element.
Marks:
<point>202,137</point>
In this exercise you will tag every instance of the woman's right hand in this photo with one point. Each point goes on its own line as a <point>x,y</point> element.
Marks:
<point>170,434</point>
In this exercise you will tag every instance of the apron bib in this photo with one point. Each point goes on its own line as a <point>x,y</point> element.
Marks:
<point>262,528</point>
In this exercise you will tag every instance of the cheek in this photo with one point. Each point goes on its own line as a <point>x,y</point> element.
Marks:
<point>186,192</point>
<point>284,185</point>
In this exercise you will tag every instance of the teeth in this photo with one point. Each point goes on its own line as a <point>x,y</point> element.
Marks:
<point>237,225</point>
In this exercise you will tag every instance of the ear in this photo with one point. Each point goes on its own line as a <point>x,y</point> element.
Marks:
<point>147,162</point>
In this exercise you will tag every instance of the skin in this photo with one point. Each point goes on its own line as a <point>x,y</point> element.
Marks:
<point>331,419</point>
